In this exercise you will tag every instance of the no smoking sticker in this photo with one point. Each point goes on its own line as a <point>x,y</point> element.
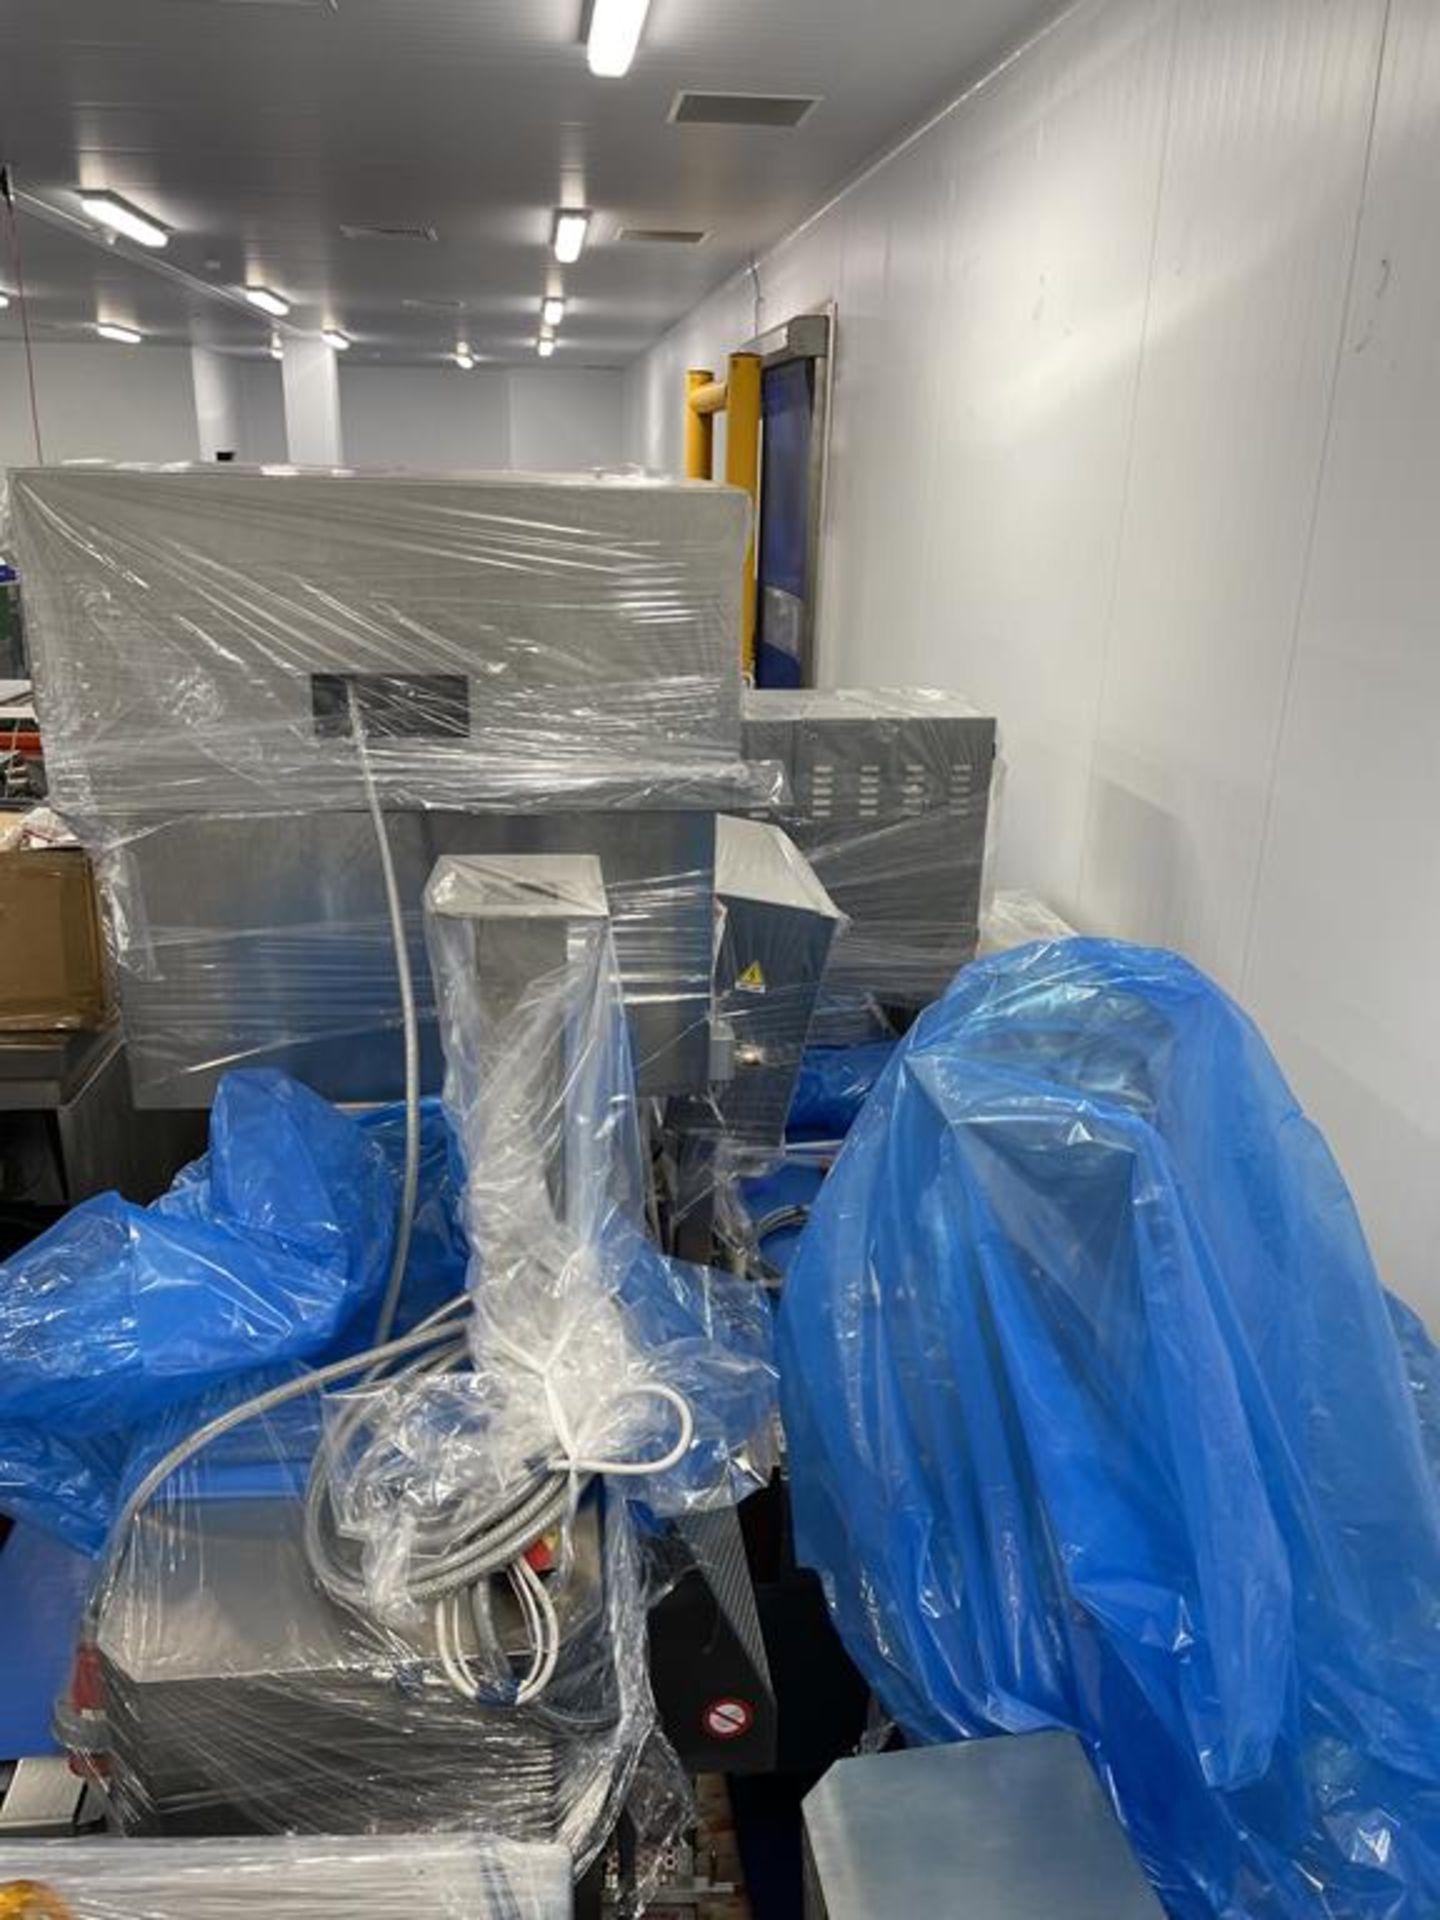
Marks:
<point>728,1719</point>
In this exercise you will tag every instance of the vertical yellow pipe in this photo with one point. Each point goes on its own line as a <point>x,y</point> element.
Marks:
<point>742,469</point>
<point>699,430</point>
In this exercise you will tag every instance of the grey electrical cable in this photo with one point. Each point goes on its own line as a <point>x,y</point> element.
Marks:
<point>405,1224</point>
<point>429,1333</point>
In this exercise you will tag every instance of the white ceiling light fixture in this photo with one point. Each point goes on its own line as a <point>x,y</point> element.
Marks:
<point>277,347</point>
<point>267,302</point>
<point>4,301</point>
<point>125,336</point>
<point>337,342</point>
<point>464,359</point>
<point>109,210</point>
<point>552,310</point>
<point>568,239</point>
<point>544,348</point>
<point>615,30</point>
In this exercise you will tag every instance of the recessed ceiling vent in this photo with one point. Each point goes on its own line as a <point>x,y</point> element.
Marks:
<point>742,109</point>
<point>664,236</point>
<point>425,236</point>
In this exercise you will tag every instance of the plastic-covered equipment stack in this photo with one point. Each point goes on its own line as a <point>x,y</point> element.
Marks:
<point>420,1605</point>
<point>456,1877</point>
<point>1097,1420</point>
<point>228,662</point>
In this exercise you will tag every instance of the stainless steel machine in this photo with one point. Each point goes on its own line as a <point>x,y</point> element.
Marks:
<point>228,663</point>
<point>889,799</point>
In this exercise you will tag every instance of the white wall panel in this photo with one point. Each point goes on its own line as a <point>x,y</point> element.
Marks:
<point>102,402</point>
<point>1348,916</point>
<point>565,420</point>
<point>1010,447</point>
<point>1137,440</point>
<point>423,418</point>
<point>1268,127</point>
<point>543,419</point>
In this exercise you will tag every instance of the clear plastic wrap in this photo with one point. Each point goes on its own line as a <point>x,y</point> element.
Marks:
<point>238,1694</point>
<point>263,940</point>
<point>420,1602</point>
<point>1012,920</point>
<point>232,665</point>
<point>448,1877</point>
<point>1097,1419</point>
<point>210,640</point>
<point>889,800</point>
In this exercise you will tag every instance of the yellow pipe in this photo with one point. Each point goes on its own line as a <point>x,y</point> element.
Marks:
<point>742,469</point>
<point>699,428</point>
<point>709,399</point>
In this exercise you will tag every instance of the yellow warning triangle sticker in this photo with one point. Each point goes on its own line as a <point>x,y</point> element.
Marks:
<point>752,980</point>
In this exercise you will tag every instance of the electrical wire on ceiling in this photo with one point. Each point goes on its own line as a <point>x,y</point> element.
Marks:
<point>756,327</point>
<point>17,268</point>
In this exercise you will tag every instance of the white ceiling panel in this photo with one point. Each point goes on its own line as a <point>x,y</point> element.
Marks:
<point>257,129</point>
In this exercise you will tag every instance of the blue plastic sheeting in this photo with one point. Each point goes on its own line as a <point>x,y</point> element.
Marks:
<point>832,1086</point>
<point>42,1595</point>
<point>262,1253</point>
<point>64,1488</point>
<point>711,1337</point>
<point>1097,1419</point>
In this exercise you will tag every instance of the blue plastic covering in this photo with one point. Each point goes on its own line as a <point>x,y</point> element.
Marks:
<point>712,1338</point>
<point>43,1586</point>
<point>1097,1419</point>
<point>262,1253</point>
<point>832,1086</point>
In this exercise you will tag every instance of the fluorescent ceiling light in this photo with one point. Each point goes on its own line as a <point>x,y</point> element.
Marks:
<point>267,302</point>
<point>4,301</point>
<point>552,311</point>
<point>277,347</point>
<point>615,29</point>
<point>117,214</point>
<point>464,358</point>
<point>127,336</point>
<point>571,226</point>
<point>544,348</point>
<point>336,340</point>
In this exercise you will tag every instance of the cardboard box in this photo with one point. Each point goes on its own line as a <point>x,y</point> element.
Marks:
<point>53,968</point>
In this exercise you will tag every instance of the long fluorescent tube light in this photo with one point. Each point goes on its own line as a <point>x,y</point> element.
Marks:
<point>127,336</point>
<point>552,311</point>
<point>267,302</point>
<point>568,240</point>
<point>544,348</point>
<point>615,30</point>
<point>335,340</point>
<point>117,214</point>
